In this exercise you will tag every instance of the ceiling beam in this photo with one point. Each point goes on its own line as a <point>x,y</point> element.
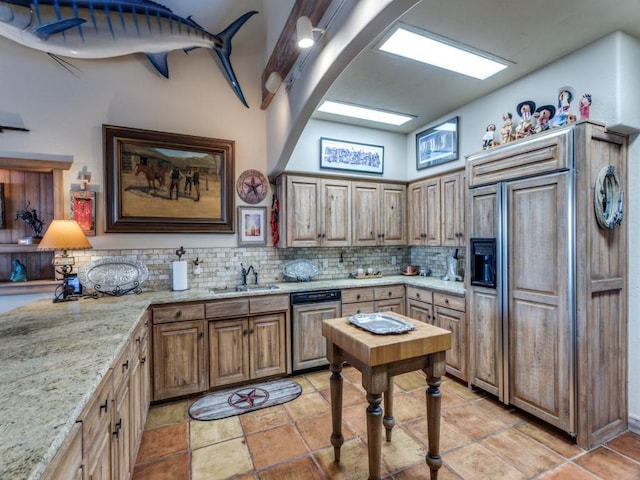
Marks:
<point>286,51</point>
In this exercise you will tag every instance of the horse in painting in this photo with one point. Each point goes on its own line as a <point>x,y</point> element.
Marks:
<point>152,175</point>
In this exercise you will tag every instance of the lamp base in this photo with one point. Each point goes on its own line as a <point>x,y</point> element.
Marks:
<point>65,292</point>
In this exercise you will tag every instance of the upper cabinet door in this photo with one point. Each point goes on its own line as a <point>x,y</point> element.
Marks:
<point>415,212</point>
<point>365,213</point>
<point>432,216</point>
<point>303,199</point>
<point>393,212</point>
<point>452,191</point>
<point>335,213</point>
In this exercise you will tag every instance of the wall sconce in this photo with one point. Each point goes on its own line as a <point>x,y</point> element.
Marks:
<point>273,82</point>
<point>304,31</point>
<point>64,235</point>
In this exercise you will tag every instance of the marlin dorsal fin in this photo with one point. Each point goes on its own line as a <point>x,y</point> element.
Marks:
<point>46,30</point>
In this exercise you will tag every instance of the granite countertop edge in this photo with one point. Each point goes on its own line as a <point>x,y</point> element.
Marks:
<point>35,345</point>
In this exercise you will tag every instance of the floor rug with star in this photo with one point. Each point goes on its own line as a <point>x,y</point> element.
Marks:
<point>248,398</point>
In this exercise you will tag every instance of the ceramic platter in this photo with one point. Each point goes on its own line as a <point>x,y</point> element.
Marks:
<point>112,274</point>
<point>380,324</point>
<point>300,270</point>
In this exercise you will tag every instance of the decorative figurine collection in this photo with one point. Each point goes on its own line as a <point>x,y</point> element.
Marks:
<point>535,120</point>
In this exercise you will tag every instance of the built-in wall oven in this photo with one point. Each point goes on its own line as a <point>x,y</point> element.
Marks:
<point>308,310</point>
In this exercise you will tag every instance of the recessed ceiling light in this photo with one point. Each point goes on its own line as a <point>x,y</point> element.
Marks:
<point>428,48</point>
<point>364,113</point>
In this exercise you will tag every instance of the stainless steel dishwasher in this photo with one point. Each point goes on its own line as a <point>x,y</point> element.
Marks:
<point>308,309</point>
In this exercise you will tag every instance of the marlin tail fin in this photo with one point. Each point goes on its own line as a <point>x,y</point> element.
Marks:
<point>224,52</point>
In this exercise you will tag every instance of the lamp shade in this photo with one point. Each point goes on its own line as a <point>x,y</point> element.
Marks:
<point>64,235</point>
<point>304,31</point>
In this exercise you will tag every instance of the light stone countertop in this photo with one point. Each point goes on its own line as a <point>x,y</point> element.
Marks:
<point>53,357</point>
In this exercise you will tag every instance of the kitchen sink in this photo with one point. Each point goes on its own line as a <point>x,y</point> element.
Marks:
<point>245,288</point>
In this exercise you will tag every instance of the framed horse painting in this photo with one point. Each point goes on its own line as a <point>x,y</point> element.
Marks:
<point>158,182</point>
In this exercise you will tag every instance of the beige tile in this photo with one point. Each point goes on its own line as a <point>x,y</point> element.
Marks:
<point>507,414</point>
<point>475,462</point>
<point>319,379</point>
<point>355,417</point>
<point>406,407</point>
<point>450,436</point>
<point>167,414</point>
<point>316,431</point>
<point>221,461</point>
<point>354,462</point>
<point>402,451</point>
<point>411,381</point>
<point>421,472</point>
<point>276,445</point>
<point>264,419</point>
<point>202,434</point>
<point>305,384</point>
<point>353,375</point>
<point>609,465</point>
<point>461,390</point>
<point>351,395</point>
<point>307,405</point>
<point>520,450</point>
<point>558,442</point>
<point>474,420</point>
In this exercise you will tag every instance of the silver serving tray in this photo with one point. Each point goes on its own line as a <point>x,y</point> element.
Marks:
<point>381,324</point>
<point>300,270</point>
<point>113,273</point>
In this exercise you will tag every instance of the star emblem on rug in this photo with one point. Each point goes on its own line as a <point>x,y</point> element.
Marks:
<point>248,397</point>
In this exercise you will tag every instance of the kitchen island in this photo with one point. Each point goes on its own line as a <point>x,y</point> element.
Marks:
<point>54,356</point>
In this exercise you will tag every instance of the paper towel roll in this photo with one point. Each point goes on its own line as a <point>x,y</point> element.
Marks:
<point>180,275</point>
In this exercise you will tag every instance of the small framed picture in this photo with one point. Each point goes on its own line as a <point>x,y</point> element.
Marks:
<point>252,226</point>
<point>437,144</point>
<point>83,210</point>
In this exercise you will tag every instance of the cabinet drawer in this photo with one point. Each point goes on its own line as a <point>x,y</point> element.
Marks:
<point>121,366</point>
<point>178,313</point>
<point>269,303</point>
<point>449,301</point>
<point>358,307</point>
<point>141,333</point>
<point>391,291</point>
<point>357,295</point>
<point>96,416</point>
<point>419,294</point>
<point>236,307</point>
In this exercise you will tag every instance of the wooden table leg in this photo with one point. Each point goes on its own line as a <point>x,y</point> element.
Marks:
<point>388,421</point>
<point>435,370</point>
<point>335,384</point>
<point>374,434</point>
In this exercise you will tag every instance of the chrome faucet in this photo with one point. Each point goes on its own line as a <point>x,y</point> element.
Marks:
<point>246,271</point>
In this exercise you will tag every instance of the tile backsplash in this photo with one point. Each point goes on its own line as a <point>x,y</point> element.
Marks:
<point>222,266</point>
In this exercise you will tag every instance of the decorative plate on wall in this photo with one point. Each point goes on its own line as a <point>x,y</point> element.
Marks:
<point>252,186</point>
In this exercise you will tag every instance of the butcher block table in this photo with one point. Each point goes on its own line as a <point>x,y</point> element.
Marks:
<point>379,358</point>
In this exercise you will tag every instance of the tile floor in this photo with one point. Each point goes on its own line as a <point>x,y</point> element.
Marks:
<point>480,440</point>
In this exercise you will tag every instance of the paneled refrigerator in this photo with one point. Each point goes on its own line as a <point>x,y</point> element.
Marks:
<point>543,276</point>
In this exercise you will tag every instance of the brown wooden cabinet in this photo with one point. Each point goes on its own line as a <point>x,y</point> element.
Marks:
<point>97,432</point>
<point>317,212</point>
<point>179,351</point>
<point>538,340</point>
<point>379,214</point>
<point>247,338</point>
<point>67,463</point>
<point>444,310</point>
<point>436,211</point>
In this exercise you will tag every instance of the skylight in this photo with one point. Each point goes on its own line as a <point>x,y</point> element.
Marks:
<point>364,113</point>
<point>427,48</point>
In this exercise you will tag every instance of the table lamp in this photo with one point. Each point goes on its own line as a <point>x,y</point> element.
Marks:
<point>64,235</point>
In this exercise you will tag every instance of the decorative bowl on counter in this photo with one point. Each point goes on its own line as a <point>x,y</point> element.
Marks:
<point>113,275</point>
<point>300,270</point>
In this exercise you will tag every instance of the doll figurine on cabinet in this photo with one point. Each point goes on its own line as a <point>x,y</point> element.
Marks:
<point>585,106</point>
<point>507,128</point>
<point>526,126</point>
<point>489,136</point>
<point>565,97</point>
<point>19,272</point>
<point>545,114</point>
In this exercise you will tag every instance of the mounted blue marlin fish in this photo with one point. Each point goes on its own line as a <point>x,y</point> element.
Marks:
<point>111,28</point>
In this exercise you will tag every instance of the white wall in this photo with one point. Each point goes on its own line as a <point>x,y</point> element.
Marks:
<point>306,155</point>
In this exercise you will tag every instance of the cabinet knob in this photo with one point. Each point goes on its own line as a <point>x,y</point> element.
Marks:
<point>118,426</point>
<point>446,300</point>
<point>358,297</point>
<point>143,360</point>
<point>201,335</point>
<point>417,295</point>
<point>178,314</point>
<point>138,339</point>
<point>245,332</point>
<point>251,330</point>
<point>358,311</point>
<point>105,407</point>
<point>125,365</point>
